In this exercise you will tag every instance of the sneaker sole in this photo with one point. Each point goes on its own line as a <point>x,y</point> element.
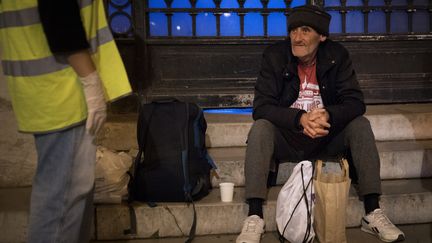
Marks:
<point>247,241</point>
<point>400,237</point>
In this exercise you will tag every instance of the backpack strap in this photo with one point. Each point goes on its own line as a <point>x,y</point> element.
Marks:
<point>142,137</point>
<point>133,224</point>
<point>199,124</point>
<point>185,152</point>
<point>193,227</point>
<point>185,163</point>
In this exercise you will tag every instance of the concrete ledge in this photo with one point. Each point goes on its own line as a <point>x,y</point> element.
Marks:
<point>17,151</point>
<point>404,201</point>
<point>14,213</point>
<point>399,159</point>
<point>389,122</point>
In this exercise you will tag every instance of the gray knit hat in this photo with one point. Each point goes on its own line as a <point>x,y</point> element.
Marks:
<point>312,16</point>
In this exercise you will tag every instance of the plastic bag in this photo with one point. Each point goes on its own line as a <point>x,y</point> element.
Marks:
<point>111,176</point>
<point>294,207</point>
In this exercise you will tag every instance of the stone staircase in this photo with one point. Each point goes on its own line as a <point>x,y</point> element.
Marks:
<point>404,140</point>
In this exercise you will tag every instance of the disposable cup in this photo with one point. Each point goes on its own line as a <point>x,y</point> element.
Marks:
<point>227,191</point>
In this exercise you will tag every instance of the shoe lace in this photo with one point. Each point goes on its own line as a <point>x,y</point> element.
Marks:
<point>382,220</point>
<point>251,226</point>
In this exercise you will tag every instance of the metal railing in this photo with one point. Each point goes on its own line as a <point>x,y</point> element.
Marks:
<point>415,17</point>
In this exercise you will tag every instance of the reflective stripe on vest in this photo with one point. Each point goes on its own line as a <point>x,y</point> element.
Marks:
<point>45,91</point>
<point>50,64</point>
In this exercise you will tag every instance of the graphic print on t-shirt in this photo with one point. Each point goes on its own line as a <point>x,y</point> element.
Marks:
<point>309,96</point>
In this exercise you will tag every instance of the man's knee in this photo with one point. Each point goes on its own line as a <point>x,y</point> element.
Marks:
<point>261,129</point>
<point>360,126</point>
<point>359,123</point>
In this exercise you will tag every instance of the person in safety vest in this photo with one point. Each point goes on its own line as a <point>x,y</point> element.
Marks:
<point>61,65</point>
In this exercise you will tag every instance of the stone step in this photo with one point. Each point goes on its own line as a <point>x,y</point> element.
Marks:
<point>404,201</point>
<point>414,233</point>
<point>389,122</point>
<point>14,214</point>
<point>399,159</point>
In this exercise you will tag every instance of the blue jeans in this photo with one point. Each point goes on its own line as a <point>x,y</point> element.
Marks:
<point>61,208</point>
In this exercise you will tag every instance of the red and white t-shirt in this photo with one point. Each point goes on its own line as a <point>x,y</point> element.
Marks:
<point>309,97</point>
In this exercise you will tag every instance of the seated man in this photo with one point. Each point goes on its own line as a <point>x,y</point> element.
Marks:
<point>308,104</point>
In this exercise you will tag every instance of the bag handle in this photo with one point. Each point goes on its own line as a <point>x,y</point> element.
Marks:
<point>343,163</point>
<point>318,169</point>
<point>345,167</point>
<point>308,208</point>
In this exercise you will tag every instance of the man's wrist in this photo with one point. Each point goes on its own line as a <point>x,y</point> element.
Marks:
<point>298,123</point>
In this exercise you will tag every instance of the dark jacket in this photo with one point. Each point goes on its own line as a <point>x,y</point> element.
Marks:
<point>278,84</point>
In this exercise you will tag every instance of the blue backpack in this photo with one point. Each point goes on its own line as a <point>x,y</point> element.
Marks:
<point>172,164</point>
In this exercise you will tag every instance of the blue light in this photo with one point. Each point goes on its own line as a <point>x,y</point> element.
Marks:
<point>230,21</point>
<point>181,24</point>
<point>376,3</point>
<point>296,3</point>
<point>354,3</point>
<point>354,22</point>
<point>399,23</point>
<point>377,22</point>
<point>253,4</point>
<point>233,111</point>
<point>158,24</point>
<point>206,24</point>
<point>181,4</point>
<point>332,3</point>
<point>276,4</point>
<point>119,2</point>
<point>230,24</point>
<point>229,4</point>
<point>205,4</point>
<point>253,24</point>
<point>421,21</point>
<point>335,23</point>
<point>126,9</point>
<point>120,23</point>
<point>277,24</point>
<point>157,4</point>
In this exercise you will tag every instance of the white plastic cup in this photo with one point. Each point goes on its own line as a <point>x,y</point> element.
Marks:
<point>227,191</point>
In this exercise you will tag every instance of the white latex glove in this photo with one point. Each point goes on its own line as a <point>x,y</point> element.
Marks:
<point>96,107</point>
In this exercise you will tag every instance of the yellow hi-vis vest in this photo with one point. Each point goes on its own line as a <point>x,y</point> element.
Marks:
<point>45,91</point>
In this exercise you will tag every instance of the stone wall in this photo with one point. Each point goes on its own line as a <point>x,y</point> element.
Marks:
<point>17,152</point>
<point>3,88</point>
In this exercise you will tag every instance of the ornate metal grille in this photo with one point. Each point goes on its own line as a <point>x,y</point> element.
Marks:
<point>120,17</point>
<point>264,18</point>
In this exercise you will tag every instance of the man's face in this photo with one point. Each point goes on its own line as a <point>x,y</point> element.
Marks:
<point>304,42</point>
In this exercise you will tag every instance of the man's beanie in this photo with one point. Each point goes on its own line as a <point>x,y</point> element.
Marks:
<point>312,16</point>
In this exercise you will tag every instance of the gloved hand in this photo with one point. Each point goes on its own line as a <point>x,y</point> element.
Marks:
<point>96,106</point>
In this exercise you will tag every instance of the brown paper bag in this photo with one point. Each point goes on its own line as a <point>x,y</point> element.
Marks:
<point>331,199</point>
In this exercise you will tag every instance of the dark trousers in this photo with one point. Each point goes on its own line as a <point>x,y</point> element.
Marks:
<point>267,143</point>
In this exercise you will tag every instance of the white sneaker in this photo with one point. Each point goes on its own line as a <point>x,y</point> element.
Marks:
<point>378,224</point>
<point>253,227</point>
